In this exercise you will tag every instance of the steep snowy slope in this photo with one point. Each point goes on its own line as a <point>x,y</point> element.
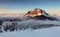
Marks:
<point>48,32</point>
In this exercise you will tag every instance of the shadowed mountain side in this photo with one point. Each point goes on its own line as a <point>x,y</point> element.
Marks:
<point>42,17</point>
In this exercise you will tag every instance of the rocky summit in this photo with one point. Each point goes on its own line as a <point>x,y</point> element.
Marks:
<point>39,14</point>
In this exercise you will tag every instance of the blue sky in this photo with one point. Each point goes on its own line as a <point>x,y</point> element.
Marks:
<point>24,5</point>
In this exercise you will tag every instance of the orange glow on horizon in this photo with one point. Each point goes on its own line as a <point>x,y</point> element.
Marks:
<point>57,12</point>
<point>9,12</point>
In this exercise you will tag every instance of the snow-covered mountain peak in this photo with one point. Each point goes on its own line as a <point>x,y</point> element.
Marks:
<point>36,12</point>
<point>39,14</point>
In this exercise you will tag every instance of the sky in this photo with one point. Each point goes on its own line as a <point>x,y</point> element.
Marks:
<point>21,6</point>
